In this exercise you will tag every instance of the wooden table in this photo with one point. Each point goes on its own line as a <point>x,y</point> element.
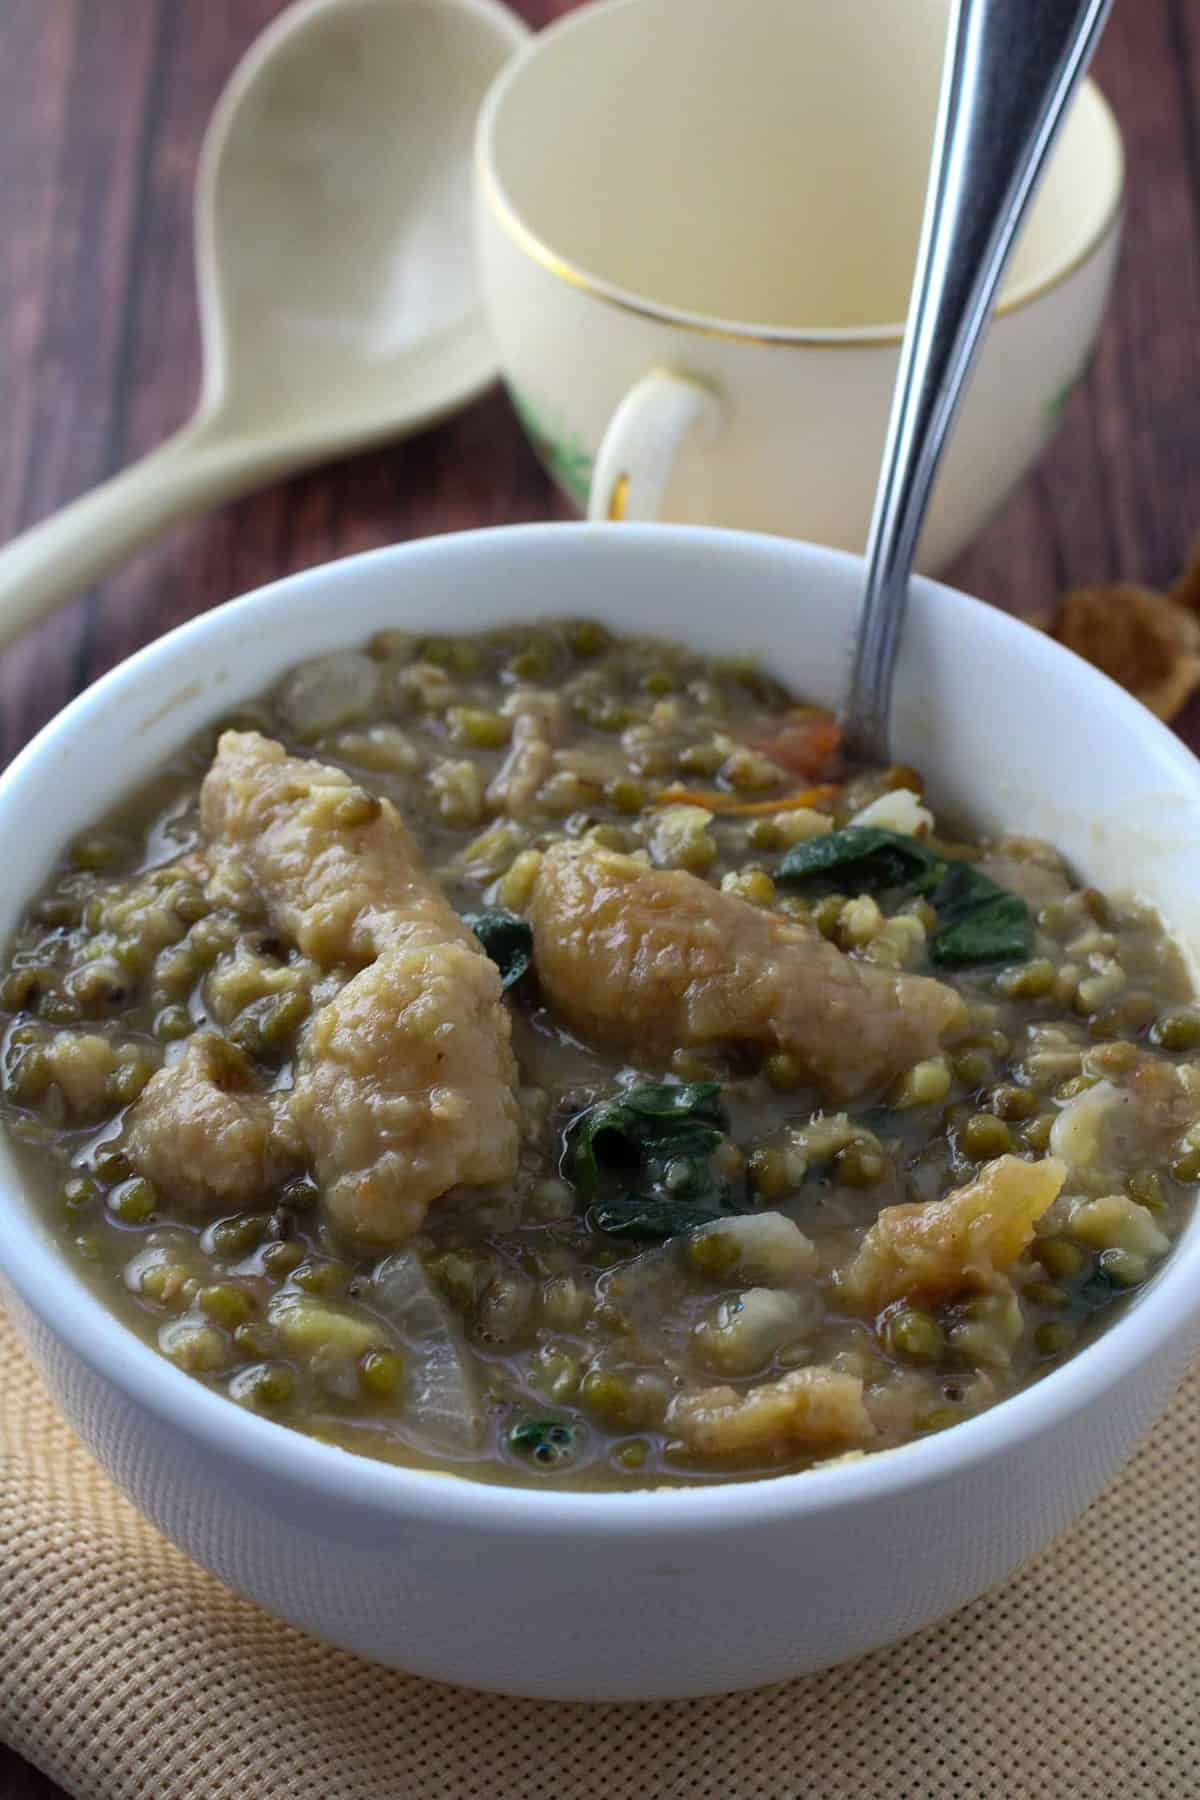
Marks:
<point>102,107</point>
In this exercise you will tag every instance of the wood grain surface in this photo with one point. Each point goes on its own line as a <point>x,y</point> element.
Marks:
<point>102,107</point>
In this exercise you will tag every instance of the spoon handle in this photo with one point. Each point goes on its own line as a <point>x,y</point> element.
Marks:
<point>54,561</point>
<point>1011,68</point>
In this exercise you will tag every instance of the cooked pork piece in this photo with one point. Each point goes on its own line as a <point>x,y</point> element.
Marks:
<point>658,958</point>
<point>968,1240</point>
<point>405,1082</point>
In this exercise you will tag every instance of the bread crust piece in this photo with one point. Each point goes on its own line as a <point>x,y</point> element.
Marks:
<point>1146,641</point>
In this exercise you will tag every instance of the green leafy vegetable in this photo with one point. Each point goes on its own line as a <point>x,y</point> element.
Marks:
<point>507,939</point>
<point>650,1221</point>
<point>642,1161</point>
<point>654,1117</point>
<point>548,1442</point>
<point>875,859</point>
<point>978,921</point>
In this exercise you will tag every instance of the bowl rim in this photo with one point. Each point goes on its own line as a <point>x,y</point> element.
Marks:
<point>495,197</point>
<point>71,1311</point>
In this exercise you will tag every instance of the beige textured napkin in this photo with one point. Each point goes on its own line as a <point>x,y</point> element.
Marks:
<point>127,1674</point>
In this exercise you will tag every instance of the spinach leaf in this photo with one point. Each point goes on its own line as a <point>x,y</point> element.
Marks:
<point>548,1442</point>
<point>656,1117</point>
<point>648,1220</point>
<point>874,859</point>
<point>978,921</point>
<point>507,939</point>
<point>642,1161</point>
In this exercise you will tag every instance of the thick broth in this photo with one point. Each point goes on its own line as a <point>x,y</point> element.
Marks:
<point>523,1335</point>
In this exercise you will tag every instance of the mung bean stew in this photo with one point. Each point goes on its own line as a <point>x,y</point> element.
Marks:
<point>537,1055</point>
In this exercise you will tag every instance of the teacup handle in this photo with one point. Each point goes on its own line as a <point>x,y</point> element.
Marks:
<point>643,439</point>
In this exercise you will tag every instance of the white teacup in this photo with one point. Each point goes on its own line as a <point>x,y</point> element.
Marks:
<point>696,228</point>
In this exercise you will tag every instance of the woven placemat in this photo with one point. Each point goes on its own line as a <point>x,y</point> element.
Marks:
<point>127,1674</point>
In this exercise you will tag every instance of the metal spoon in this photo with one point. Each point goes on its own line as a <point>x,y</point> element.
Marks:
<point>1011,69</point>
<point>338,306</point>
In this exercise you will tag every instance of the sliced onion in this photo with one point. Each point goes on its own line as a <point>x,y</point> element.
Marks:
<point>442,1401</point>
<point>329,692</point>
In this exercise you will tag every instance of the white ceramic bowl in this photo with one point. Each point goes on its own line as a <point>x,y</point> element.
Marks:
<point>651,1594</point>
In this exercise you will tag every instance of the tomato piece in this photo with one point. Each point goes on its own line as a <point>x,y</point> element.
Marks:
<point>806,743</point>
